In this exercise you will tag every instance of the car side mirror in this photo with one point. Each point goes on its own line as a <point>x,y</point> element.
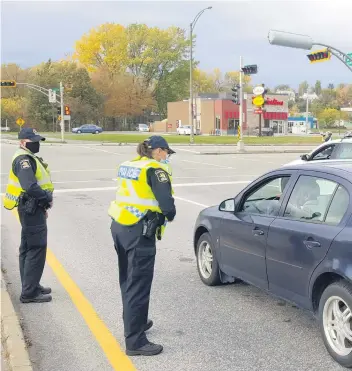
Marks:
<point>228,205</point>
<point>305,157</point>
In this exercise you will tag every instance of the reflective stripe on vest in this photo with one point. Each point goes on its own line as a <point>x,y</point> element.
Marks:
<point>14,189</point>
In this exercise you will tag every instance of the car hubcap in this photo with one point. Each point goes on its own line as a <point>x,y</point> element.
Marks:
<point>337,320</point>
<point>205,259</point>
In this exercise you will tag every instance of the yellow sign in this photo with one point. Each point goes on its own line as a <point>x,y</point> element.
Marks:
<point>258,101</point>
<point>239,132</point>
<point>20,121</point>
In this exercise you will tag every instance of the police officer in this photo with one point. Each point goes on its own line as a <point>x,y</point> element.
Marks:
<point>31,190</point>
<point>143,205</point>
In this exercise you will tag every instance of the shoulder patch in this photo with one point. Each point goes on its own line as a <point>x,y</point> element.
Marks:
<point>25,164</point>
<point>162,176</point>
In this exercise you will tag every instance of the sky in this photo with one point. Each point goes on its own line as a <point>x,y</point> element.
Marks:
<point>34,31</point>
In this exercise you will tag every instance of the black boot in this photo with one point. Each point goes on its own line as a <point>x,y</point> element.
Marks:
<point>45,290</point>
<point>148,349</point>
<point>37,299</point>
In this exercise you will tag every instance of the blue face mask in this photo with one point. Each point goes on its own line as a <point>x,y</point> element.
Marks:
<point>166,161</point>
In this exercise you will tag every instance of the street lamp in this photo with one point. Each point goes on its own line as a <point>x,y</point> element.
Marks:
<point>191,111</point>
<point>291,40</point>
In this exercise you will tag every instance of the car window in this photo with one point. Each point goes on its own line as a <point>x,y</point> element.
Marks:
<point>324,153</point>
<point>310,198</point>
<point>343,151</point>
<point>266,199</point>
<point>338,207</point>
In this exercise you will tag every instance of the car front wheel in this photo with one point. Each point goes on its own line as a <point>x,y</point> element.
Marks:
<point>335,315</point>
<point>79,132</point>
<point>207,265</point>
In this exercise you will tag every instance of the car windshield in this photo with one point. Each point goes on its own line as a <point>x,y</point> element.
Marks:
<point>142,125</point>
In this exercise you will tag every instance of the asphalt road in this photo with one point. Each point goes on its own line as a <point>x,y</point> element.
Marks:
<point>229,328</point>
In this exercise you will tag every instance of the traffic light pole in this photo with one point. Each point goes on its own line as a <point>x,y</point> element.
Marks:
<point>240,144</point>
<point>62,123</point>
<point>45,91</point>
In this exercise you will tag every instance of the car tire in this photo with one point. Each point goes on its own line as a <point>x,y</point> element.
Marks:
<point>211,277</point>
<point>79,132</point>
<point>96,131</point>
<point>335,300</point>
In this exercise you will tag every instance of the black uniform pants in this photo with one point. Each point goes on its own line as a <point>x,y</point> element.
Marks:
<point>32,251</point>
<point>136,258</point>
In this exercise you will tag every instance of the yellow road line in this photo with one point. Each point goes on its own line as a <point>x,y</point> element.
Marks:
<point>118,359</point>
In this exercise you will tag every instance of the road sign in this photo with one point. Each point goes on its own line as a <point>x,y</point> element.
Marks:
<point>56,90</point>
<point>52,96</point>
<point>258,90</point>
<point>349,61</point>
<point>20,121</point>
<point>258,101</point>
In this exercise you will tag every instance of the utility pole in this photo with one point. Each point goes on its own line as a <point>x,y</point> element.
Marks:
<point>62,123</point>
<point>307,107</point>
<point>191,107</point>
<point>191,113</point>
<point>240,144</point>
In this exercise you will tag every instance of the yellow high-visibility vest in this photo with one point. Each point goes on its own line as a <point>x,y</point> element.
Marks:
<point>14,189</point>
<point>134,196</point>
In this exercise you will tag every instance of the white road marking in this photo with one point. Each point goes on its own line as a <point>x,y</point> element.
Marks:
<point>190,201</point>
<point>102,150</point>
<point>206,163</point>
<point>72,190</point>
<point>186,150</point>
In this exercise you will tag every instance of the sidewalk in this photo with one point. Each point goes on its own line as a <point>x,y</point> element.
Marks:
<point>13,346</point>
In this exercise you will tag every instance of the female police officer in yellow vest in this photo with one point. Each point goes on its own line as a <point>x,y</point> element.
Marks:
<point>30,189</point>
<point>143,205</point>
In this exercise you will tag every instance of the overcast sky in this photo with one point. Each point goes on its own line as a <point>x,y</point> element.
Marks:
<point>34,31</point>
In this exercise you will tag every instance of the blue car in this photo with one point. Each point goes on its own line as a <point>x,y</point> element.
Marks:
<point>88,128</point>
<point>290,233</point>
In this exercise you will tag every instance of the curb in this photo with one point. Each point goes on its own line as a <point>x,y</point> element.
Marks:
<point>11,331</point>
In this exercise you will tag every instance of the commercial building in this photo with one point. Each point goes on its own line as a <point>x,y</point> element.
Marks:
<point>216,114</point>
<point>298,125</point>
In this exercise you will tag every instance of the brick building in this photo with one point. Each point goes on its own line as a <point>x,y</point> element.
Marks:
<point>216,113</point>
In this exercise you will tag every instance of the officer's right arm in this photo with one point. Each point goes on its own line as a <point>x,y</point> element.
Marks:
<point>24,167</point>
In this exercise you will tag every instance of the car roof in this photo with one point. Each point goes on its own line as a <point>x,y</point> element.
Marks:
<point>340,168</point>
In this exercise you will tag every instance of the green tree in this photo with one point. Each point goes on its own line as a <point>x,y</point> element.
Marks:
<point>317,87</point>
<point>330,116</point>
<point>303,87</point>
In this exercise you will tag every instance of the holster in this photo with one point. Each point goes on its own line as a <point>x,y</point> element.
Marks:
<point>151,225</point>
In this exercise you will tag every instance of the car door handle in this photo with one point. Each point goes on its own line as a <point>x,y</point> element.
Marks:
<point>257,232</point>
<point>310,244</point>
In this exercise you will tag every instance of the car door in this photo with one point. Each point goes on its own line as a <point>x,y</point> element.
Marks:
<point>300,237</point>
<point>243,234</point>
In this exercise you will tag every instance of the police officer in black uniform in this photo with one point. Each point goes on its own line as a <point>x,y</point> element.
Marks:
<point>136,271</point>
<point>32,210</point>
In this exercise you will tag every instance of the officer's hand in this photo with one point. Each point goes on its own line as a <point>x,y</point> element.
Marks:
<point>46,214</point>
<point>51,204</point>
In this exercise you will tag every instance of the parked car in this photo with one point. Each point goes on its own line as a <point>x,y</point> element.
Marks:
<point>88,128</point>
<point>339,149</point>
<point>184,130</point>
<point>289,232</point>
<point>266,132</point>
<point>143,127</point>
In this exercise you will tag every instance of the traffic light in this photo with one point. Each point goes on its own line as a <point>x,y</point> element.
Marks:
<point>319,56</point>
<point>8,83</point>
<point>250,70</point>
<point>236,97</point>
<point>67,111</point>
<point>59,110</point>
